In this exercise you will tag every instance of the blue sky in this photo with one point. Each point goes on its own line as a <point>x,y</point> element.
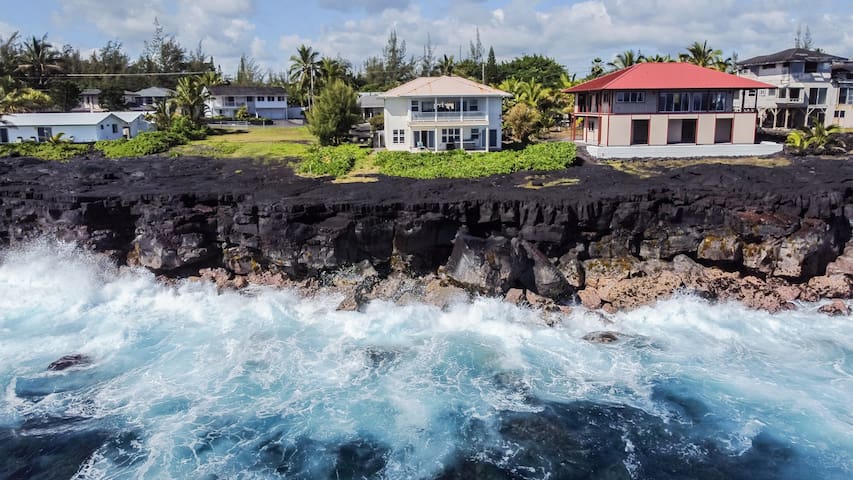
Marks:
<point>573,32</point>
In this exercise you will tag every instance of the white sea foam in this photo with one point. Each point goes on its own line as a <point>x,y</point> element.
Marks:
<point>207,378</point>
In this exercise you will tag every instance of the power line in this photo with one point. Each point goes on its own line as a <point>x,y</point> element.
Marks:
<point>70,75</point>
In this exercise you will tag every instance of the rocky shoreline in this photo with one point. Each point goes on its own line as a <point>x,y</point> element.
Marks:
<point>762,236</point>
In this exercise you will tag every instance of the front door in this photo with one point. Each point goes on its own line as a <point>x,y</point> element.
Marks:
<point>493,138</point>
<point>688,131</point>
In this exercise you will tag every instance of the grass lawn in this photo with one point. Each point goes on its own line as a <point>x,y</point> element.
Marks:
<point>265,143</point>
<point>651,168</point>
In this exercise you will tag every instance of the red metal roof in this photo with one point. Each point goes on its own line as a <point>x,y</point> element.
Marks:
<point>666,76</point>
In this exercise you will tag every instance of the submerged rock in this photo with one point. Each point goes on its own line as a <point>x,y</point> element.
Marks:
<point>602,337</point>
<point>836,308</point>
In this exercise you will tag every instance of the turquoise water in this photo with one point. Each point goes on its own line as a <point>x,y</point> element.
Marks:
<point>188,383</point>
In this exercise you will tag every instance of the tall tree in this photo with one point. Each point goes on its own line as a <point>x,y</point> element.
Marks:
<point>65,94</point>
<point>9,52</point>
<point>398,68</point>
<point>334,114</point>
<point>475,48</point>
<point>39,60</point>
<point>657,58</point>
<point>702,55</point>
<point>626,59</point>
<point>427,64</point>
<point>248,72</point>
<point>332,69</point>
<point>304,68</point>
<point>803,39</point>
<point>492,75</point>
<point>545,70</point>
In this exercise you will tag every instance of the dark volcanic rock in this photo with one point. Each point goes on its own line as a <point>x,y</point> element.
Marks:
<point>68,361</point>
<point>182,216</point>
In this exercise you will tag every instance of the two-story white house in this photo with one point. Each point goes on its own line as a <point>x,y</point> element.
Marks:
<point>804,89</point>
<point>443,113</point>
<point>265,102</point>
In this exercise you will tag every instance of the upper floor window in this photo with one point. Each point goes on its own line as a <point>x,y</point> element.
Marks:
<point>270,99</point>
<point>250,99</point>
<point>630,97</point>
<point>229,99</point>
<point>817,96</point>
<point>709,102</point>
<point>768,66</point>
<point>674,102</point>
<point>794,94</point>
<point>281,99</point>
<point>811,67</point>
<point>845,96</point>
<point>471,105</point>
<point>416,105</point>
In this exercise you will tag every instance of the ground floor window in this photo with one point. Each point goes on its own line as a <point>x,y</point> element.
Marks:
<point>4,135</point>
<point>450,135</point>
<point>115,128</point>
<point>839,114</point>
<point>44,133</point>
<point>398,136</point>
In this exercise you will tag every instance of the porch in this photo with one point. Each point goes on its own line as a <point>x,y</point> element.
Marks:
<point>469,139</point>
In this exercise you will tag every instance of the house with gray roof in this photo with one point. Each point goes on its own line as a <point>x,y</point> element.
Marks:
<point>78,127</point>
<point>805,92</point>
<point>443,113</point>
<point>263,102</point>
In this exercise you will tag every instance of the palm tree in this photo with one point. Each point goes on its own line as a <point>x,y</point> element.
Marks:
<point>210,79</point>
<point>818,138</point>
<point>162,115</point>
<point>332,69</point>
<point>658,58</point>
<point>39,60</point>
<point>190,99</point>
<point>596,69</point>
<point>626,59</point>
<point>702,55</point>
<point>19,100</point>
<point>9,54</point>
<point>304,66</point>
<point>446,65</point>
<point>532,93</point>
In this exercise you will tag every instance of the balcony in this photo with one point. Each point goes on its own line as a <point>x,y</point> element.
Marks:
<point>421,118</point>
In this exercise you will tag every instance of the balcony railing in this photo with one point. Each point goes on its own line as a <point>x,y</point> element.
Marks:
<point>448,116</point>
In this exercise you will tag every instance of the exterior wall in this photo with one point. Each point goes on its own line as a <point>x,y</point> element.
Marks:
<point>743,130</point>
<point>665,128</point>
<point>685,151</point>
<point>397,113</point>
<point>397,118</point>
<point>219,106</point>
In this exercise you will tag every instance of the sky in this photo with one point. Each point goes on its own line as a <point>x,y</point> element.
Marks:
<point>572,32</point>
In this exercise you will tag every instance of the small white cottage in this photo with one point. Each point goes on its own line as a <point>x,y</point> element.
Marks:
<point>76,127</point>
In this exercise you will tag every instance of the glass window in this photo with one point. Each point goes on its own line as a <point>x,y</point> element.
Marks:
<point>709,102</point>
<point>416,105</point>
<point>270,99</point>
<point>229,99</point>
<point>250,99</point>
<point>794,94</point>
<point>281,99</point>
<point>630,97</point>
<point>471,105</point>
<point>817,96</point>
<point>674,102</point>
<point>839,114</point>
<point>845,96</point>
<point>449,135</point>
<point>44,133</point>
<point>811,67</point>
<point>398,136</point>
<point>4,135</point>
<point>115,128</point>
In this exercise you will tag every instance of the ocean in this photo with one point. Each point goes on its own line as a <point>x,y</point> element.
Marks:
<point>182,381</point>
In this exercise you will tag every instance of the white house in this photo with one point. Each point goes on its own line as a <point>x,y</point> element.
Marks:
<point>135,122</point>
<point>265,102</point>
<point>371,104</point>
<point>443,113</point>
<point>76,127</point>
<point>148,97</point>
<point>804,87</point>
<point>89,101</point>
<point>842,76</point>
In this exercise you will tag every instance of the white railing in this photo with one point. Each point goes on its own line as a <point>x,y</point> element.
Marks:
<point>447,116</point>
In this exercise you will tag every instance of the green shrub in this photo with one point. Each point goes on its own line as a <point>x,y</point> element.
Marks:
<point>460,164</point>
<point>146,143</point>
<point>45,151</point>
<point>334,161</point>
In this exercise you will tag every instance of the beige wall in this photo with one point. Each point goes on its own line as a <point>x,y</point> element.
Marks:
<point>666,128</point>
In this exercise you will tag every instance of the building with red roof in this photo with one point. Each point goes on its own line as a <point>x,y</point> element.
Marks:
<point>665,105</point>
